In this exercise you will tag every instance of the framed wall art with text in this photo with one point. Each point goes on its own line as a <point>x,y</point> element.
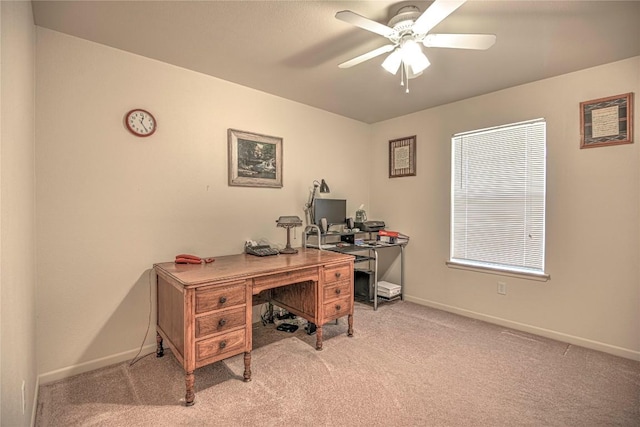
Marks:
<point>606,121</point>
<point>402,157</point>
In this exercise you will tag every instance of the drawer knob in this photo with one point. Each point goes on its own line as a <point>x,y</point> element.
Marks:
<point>223,344</point>
<point>222,322</point>
<point>338,274</point>
<point>338,307</point>
<point>223,300</point>
<point>338,291</point>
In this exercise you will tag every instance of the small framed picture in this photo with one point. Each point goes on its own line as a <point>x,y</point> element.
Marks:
<point>606,121</point>
<point>402,157</point>
<point>255,160</point>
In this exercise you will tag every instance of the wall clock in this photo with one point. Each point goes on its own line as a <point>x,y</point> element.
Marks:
<point>140,122</point>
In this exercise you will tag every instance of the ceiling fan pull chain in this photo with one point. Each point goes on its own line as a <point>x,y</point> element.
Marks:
<point>406,75</point>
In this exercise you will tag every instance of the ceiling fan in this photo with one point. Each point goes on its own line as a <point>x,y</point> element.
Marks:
<point>406,30</point>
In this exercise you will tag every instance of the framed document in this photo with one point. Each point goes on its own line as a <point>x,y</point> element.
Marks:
<point>402,157</point>
<point>606,121</point>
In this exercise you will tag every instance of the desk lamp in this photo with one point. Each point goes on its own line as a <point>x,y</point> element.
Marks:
<point>289,222</point>
<point>308,208</point>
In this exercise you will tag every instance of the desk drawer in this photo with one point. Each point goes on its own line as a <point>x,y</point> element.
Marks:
<point>220,321</point>
<point>221,346</point>
<point>218,298</point>
<point>337,273</point>
<point>287,278</point>
<point>337,290</point>
<point>337,308</point>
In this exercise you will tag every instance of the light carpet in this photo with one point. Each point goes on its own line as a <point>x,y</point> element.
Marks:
<point>406,365</point>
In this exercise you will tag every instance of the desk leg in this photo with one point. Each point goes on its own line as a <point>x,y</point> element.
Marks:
<point>159,348</point>
<point>375,280</point>
<point>247,366</point>
<point>350,323</point>
<point>318,337</point>
<point>189,397</point>
<point>402,272</point>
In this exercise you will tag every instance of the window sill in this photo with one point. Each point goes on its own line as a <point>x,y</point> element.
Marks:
<point>529,276</point>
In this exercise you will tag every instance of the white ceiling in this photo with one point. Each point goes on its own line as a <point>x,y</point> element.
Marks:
<point>292,48</point>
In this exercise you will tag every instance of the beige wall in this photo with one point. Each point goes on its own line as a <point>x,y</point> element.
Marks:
<point>593,216</point>
<point>17,214</point>
<point>111,204</point>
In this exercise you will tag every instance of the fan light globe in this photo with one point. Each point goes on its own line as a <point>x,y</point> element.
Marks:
<point>413,56</point>
<point>410,50</point>
<point>419,63</point>
<point>392,63</point>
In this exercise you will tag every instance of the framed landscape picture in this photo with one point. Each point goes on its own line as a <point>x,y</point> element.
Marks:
<point>255,160</point>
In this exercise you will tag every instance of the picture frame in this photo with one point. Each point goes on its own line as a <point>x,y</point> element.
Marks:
<point>255,160</point>
<point>402,157</point>
<point>606,121</point>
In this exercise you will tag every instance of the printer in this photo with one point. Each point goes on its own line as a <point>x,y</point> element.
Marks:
<point>370,225</point>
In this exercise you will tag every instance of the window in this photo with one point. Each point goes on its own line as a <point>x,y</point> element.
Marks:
<point>498,198</point>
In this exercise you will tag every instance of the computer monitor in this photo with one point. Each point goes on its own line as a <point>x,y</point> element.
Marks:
<point>334,210</point>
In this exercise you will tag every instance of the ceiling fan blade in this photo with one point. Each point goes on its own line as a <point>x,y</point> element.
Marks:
<point>434,14</point>
<point>460,41</point>
<point>366,56</point>
<point>364,23</point>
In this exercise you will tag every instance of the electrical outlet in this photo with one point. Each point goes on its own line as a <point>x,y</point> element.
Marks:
<point>502,288</point>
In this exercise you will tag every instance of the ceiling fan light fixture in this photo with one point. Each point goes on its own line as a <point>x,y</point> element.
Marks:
<point>413,56</point>
<point>393,61</point>
<point>410,50</point>
<point>419,64</point>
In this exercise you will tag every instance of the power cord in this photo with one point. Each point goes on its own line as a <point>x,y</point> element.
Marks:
<point>136,359</point>
<point>266,317</point>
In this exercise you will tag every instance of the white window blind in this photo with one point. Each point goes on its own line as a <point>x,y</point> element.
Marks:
<point>498,197</point>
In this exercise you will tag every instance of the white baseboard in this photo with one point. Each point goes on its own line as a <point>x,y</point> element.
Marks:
<point>91,365</point>
<point>558,336</point>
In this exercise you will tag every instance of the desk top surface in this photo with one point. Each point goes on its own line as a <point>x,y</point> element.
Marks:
<point>241,266</point>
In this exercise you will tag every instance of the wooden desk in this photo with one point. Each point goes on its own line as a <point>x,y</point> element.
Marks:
<point>205,310</point>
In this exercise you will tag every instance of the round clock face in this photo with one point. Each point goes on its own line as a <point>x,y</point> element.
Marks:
<point>140,122</point>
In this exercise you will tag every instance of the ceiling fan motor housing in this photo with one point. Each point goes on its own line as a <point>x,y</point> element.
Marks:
<point>404,19</point>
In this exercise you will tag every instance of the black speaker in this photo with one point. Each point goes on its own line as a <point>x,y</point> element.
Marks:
<point>350,223</point>
<point>363,285</point>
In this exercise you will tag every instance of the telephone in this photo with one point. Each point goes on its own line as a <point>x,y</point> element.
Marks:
<point>259,250</point>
